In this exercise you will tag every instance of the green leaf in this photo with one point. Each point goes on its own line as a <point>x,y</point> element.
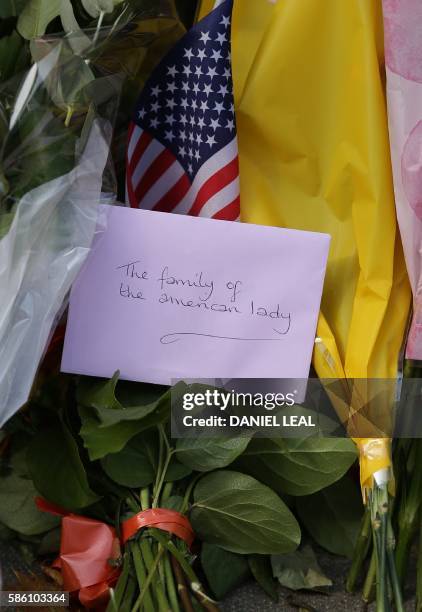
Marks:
<point>110,411</point>
<point>239,514</point>
<point>224,570</point>
<point>299,570</point>
<point>36,16</point>
<point>11,8</point>
<point>108,424</point>
<point>14,55</point>
<point>17,507</point>
<point>206,454</point>
<point>260,566</point>
<point>134,466</point>
<point>57,470</point>
<point>298,466</point>
<point>96,7</point>
<point>176,471</point>
<point>333,516</point>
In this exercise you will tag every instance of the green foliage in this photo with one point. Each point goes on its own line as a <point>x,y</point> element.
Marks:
<point>241,515</point>
<point>333,516</point>
<point>206,454</point>
<point>299,570</point>
<point>224,570</point>
<point>11,8</point>
<point>261,569</point>
<point>57,470</point>
<point>17,507</point>
<point>298,466</point>
<point>35,17</point>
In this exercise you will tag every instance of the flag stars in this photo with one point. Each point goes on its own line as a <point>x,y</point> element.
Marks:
<point>201,54</point>
<point>170,119</point>
<point>227,73</point>
<point>187,70</point>
<point>211,141</point>
<point>155,107</point>
<point>171,87</point>
<point>183,119</point>
<point>197,155</point>
<point>182,135</point>
<point>230,124</point>
<point>214,124</point>
<point>225,21</point>
<point>224,90</point>
<point>190,169</point>
<point>154,123</point>
<point>204,106</point>
<point>216,55</point>
<point>201,123</point>
<point>212,72</point>
<point>221,38</point>
<point>198,139</point>
<point>219,107</point>
<point>184,103</point>
<point>170,136</point>
<point>198,71</point>
<point>205,37</point>
<point>172,71</point>
<point>195,88</point>
<point>208,90</point>
<point>182,151</point>
<point>155,91</point>
<point>142,113</point>
<point>185,86</point>
<point>189,54</point>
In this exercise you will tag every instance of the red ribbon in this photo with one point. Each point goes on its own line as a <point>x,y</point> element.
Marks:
<point>160,518</point>
<point>87,546</point>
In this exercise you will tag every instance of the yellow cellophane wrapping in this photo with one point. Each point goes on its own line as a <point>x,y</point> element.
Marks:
<point>314,155</point>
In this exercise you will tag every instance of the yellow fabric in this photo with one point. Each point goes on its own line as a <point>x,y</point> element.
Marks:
<point>314,155</point>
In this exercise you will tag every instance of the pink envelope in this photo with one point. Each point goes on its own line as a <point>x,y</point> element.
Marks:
<point>165,297</point>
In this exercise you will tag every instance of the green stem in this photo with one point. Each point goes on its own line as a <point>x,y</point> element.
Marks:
<point>141,575</point>
<point>148,558</point>
<point>409,512</point>
<point>419,574</point>
<point>167,489</point>
<point>148,581</point>
<point>171,588</point>
<point>118,593</point>
<point>392,570</point>
<point>368,587</point>
<point>150,564</point>
<point>144,497</point>
<point>158,488</point>
<point>194,581</point>
<point>360,552</point>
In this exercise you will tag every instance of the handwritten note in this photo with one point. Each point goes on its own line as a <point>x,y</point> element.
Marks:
<point>163,297</point>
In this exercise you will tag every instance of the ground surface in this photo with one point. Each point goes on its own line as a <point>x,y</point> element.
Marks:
<point>250,598</point>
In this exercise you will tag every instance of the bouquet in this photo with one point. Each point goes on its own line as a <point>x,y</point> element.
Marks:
<point>153,523</point>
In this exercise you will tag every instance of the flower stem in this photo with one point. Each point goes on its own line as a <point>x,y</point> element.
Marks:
<point>118,593</point>
<point>171,588</point>
<point>409,512</point>
<point>151,574</point>
<point>368,587</point>
<point>141,576</point>
<point>361,550</point>
<point>419,575</point>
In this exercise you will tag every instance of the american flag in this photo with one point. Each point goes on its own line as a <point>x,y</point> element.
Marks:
<point>182,152</point>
